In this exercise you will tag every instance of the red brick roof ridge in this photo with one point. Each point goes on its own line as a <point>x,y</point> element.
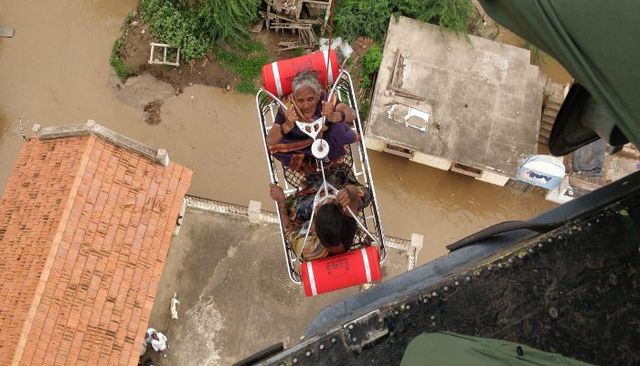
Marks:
<point>26,328</point>
<point>160,155</point>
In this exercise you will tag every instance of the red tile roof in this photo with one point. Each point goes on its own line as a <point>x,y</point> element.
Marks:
<point>85,227</point>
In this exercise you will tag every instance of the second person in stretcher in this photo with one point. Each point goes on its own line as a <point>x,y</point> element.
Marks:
<point>333,229</point>
<point>307,103</point>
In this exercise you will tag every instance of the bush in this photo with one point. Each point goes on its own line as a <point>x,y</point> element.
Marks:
<point>175,27</point>
<point>370,18</point>
<point>246,61</point>
<point>450,14</point>
<point>195,26</point>
<point>228,20</point>
<point>122,70</point>
<point>369,65</point>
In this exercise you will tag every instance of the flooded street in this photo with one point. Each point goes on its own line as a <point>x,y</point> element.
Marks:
<point>56,71</point>
<point>442,206</point>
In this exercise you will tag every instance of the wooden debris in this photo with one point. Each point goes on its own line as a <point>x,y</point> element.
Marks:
<point>395,81</point>
<point>6,32</point>
<point>407,94</point>
<point>164,52</point>
<point>295,16</point>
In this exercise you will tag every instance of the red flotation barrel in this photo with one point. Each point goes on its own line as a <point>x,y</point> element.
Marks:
<point>277,77</point>
<point>353,268</point>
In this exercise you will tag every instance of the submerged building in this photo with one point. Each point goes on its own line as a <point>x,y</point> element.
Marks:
<point>454,102</point>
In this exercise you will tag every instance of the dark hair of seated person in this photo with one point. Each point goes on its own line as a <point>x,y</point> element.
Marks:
<point>333,228</point>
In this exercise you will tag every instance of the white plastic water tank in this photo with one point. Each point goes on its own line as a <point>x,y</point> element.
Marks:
<point>544,171</point>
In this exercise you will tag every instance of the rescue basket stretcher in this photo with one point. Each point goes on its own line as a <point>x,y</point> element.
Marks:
<point>356,266</point>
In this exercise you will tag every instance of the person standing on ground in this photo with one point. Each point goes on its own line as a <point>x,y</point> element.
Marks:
<point>157,340</point>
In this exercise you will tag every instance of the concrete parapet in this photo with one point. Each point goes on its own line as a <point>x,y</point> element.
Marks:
<point>374,144</point>
<point>417,240</point>
<point>180,219</point>
<point>204,204</point>
<point>493,178</point>
<point>254,211</point>
<point>160,156</point>
<point>432,161</point>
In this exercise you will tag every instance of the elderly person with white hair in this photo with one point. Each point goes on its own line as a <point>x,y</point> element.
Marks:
<point>306,104</point>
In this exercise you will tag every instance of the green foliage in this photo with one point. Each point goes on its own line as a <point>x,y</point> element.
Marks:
<point>195,26</point>
<point>370,18</point>
<point>246,61</point>
<point>122,70</point>
<point>246,87</point>
<point>369,65</point>
<point>176,27</point>
<point>299,52</point>
<point>451,14</point>
<point>228,20</point>
<point>364,105</point>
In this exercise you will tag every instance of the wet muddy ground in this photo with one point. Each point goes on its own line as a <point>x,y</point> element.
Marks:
<point>56,71</point>
<point>208,71</point>
<point>235,299</point>
<point>136,56</point>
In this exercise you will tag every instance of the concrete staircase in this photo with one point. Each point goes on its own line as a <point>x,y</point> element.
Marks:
<point>553,97</point>
<point>549,114</point>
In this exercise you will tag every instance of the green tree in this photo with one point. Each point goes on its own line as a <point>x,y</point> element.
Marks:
<point>370,18</point>
<point>450,14</point>
<point>196,25</point>
<point>369,65</point>
<point>228,20</point>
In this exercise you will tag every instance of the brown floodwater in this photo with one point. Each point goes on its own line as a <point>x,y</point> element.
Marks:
<point>547,64</point>
<point>56,71</point>
<point>440,205</point>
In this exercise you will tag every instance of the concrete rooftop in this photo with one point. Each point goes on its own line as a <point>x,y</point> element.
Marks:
<point>483,97</point>
<point>235,296</point>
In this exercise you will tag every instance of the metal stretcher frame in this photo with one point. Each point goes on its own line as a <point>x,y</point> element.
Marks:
<point>267,105</point>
